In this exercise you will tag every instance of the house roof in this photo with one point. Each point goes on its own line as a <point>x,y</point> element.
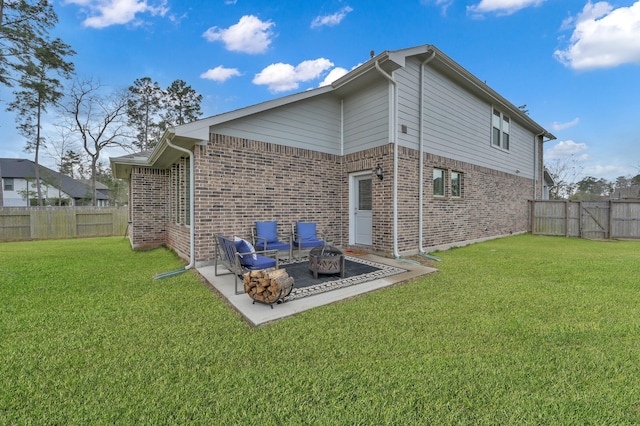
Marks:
<point>18,168</point>
<point>631,193</point>
<point>187,135</point>
<point>549,180</point>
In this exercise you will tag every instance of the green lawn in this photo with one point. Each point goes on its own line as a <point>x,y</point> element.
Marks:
<point>521,330</point>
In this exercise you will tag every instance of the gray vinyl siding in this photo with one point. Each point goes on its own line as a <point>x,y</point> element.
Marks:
<point>408,80</point>
<point>311,124</point>
<point>457,124</point>
<point>366,118</point>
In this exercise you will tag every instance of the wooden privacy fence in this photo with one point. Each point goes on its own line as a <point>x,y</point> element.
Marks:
<point>40,223</point>
<point>586,219</point>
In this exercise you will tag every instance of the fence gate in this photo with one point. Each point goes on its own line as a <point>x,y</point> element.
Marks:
<point>594,219</point>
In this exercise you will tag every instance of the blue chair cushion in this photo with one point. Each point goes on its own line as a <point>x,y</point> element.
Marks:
<point>260,246</point>
<point>244,246</point>
<point>306,231</point>
<point>267,231</point>
<point>262,262</point>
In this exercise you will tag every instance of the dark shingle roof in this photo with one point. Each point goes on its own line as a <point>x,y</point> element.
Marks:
<point>18,168</point>
<point>631,193</point>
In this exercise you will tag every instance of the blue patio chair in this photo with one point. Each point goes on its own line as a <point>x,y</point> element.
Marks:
<point>305,236</point>
<point>265,237</point>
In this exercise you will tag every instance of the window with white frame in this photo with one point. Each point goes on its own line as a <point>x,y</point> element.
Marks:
<point>456,184</point>
<point>500,129</point>
<point>438,182</point>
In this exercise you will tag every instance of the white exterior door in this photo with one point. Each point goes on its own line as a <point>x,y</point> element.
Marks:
<point>361,206</point>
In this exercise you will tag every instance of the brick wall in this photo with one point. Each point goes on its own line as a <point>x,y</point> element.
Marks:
<point>241,181</point>
<point>382,225</point>
<point>149,211</point>
<point>178,232</point>
<point>493,203</point>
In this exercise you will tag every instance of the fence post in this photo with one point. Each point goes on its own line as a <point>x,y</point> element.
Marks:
<point>610,225</point>
<point>580,219</point>
<point>567,221</point>
<point>532,216</point>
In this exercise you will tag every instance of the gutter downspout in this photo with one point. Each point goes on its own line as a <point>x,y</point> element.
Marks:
<point>342,169</point>
<point>535,159</point>
<point>421,250</point>
<point>535,163</point>
<point>396,254</point>
<point>192,232</point>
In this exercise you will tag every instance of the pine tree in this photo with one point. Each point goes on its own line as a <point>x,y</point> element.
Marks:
<point>39,88</point>
<point>23,25</point>
<point>181,104</point>
<point>143,110</point>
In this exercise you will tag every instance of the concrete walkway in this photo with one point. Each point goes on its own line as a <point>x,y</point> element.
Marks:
<point>259,313</point>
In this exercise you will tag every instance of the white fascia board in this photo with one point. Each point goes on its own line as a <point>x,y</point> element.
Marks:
<point>400,56</point>
<point>361,69</point>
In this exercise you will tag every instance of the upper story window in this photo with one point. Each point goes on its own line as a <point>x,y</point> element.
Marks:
<point>8,184</point>
<point>501,129</point>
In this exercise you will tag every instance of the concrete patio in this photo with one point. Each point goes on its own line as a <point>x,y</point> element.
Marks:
<point>258,313</point>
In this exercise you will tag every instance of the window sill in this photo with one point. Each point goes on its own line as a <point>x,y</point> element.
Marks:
<point>443,198</point>
<point>499,148</point>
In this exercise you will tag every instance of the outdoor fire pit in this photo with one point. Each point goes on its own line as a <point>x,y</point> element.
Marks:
<point>326,260</point>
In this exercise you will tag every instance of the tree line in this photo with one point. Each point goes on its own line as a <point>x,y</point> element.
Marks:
<point>89,118</point>
<point>569,184</point>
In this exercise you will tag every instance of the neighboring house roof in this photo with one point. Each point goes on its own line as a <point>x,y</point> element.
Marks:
<point>187,135</point>
<point>99,185</point>
<point>631,193</point>
<point>548,179</point>
<point>25,169</point>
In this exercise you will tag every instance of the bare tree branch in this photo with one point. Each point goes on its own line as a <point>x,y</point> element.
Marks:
<point>99,120</point>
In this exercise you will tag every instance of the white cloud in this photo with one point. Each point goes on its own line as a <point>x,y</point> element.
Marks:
<point>566,149</point>
<point>443,4</point>
<point>249,35</point>
<point>220,74</point>
<point>104,13</point>
<point>333,75</point>
<point>590,12</point>
<point>563,126</point>
<point>502,7</point>
<point>603,37</point>
<point>331,20</point>
<point>610,172</point>
<point>283,77</point>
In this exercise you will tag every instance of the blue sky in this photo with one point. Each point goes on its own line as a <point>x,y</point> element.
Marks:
<point>575,64</point>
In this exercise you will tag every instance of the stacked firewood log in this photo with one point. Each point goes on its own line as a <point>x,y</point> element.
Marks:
<point>268,285</point>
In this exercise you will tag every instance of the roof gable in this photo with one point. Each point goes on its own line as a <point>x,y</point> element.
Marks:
<point>187,135</point>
